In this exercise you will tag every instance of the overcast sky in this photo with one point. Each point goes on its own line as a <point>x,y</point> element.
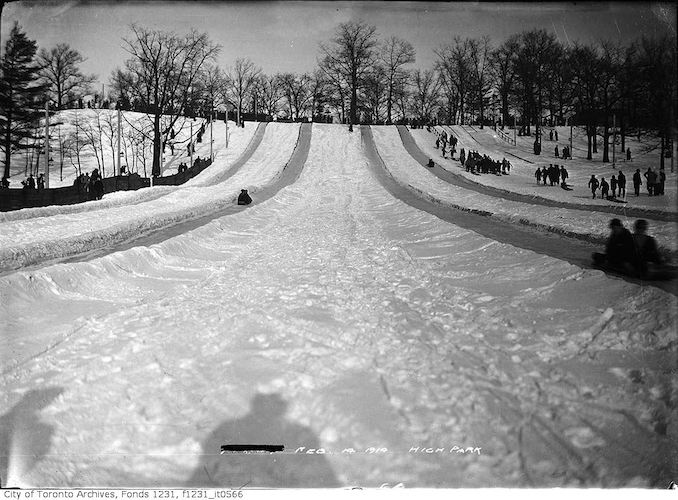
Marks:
<point>284,36</point>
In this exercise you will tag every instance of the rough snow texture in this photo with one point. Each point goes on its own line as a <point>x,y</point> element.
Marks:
<point>25,242</point>
<point>593,225</point>
<point>334,316</point>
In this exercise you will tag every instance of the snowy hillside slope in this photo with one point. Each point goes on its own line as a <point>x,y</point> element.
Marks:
<point>335,316</point>
<point>587,224</point>
<point>522,179</point>
<point>35,240</point>
<point>224,158</point>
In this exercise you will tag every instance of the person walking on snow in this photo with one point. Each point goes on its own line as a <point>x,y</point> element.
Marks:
<point>563,173</point>
<point>651,178</point>
<point>593,184</point>
<point>604,188</point>
<point>613,186</point>
<point>537,174</point>
<point>621,183</point>
<point>637,182</point>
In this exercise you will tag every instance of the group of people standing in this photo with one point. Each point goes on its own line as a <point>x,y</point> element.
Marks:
<point>555,175</point>
<point>443,139</point>
<point>474,162</point>
<point>91,184</point>
<point>617,185</point>
<point>483,164</point>
<point>655,182</point>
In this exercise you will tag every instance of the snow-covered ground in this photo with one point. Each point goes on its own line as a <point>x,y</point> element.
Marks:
<point>224,157</point>
<point>581,222</point>
<point>524,163</point>
<point>335,316</point>
<point>24,242</point>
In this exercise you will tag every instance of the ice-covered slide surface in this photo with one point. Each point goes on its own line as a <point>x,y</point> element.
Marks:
<point>589,226</point>
<point>334,315</point>
<point>33,241</point>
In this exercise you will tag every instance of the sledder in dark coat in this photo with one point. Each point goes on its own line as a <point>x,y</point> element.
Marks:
<point>244,198</point>
<point>619,251</point>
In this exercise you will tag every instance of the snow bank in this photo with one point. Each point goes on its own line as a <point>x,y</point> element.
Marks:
<point>577,223</point>
<point>34,240</point>
<point>239,139</point>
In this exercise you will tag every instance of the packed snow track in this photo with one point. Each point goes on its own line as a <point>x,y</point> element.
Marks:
<point>334,316</point>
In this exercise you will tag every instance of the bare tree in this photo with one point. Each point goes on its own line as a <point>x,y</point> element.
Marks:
<point>454,67</point>
<point>298,93</point>
<point>161,72</point>
<point>271,94</point>
<point>395,53</point>
<point>503,72</point>
<point>375,92</point>
<point>480,73</point>
<point>73,143</point>
<point>92,133</point>
<point>241,78</point>
<point>425,96</point>
<point>59,68</point>
<point>350,56</point>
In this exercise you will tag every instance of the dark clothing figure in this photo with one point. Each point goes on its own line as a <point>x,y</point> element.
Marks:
<point>637,182</point>
<point>628,154</point>
<point>437,143</point>
<point>613,186</point>
<point>659,187</point>
<point>557,151</point>
<point>593,184</point>
<point>31,182</point>
<point>244,198</point>
<point>556,135</point>
<point>645,248</point>
<point>563,173</point>
<point>544,174</point>
<point>621,184</point>
<point>619,250</point>
<point>619,247</point>
<point>551,135</point>
<point>430,163</point>
<point>5,183</point>
<point>41,182</point>
<point>604,188</point>
<point>651,178</point>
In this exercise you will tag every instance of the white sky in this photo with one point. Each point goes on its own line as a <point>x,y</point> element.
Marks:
<point>284,36</point>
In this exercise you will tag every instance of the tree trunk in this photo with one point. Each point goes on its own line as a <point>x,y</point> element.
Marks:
<point>389,104</point>
<point>622,131</point>
<point>8,140</point>
<point>663,150</point>
<point>589,133</point>
<point>606,139</point>
<point>156,146</point>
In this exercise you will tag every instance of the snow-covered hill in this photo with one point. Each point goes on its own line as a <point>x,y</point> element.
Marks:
<point>334,316</point>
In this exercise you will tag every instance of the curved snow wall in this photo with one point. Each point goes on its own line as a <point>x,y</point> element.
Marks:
<point>16,199</point>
